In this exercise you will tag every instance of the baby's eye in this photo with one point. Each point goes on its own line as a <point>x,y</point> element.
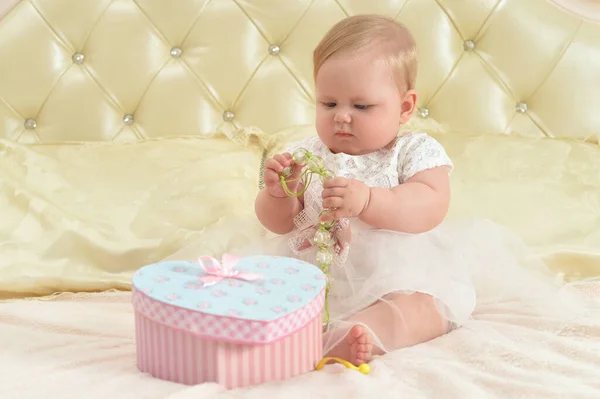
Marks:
<point>330,105</point>
<point>361,107</point>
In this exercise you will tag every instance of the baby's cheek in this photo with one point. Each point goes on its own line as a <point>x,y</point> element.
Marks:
<point>322,120</point>
<point>385,123</point>
<point>324,128</point>
<point>369,123</point>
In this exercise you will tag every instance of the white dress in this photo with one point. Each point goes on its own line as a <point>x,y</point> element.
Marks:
<point>460,264</point>
<point>381,262</point>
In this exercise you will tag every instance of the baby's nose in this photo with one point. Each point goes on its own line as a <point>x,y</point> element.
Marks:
<point>342,117</point>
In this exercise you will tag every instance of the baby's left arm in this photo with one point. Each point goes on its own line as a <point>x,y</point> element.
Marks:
<point>416,206</point>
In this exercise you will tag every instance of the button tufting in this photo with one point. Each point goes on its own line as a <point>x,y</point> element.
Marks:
<point>78,58</point>
<point>521,107</point>
<point>228,116</point>
<point>423,112</point>
<point>128,119</point>
<point>274,49</point>
<point>175,52</point>
<point>469,45</point>
<point>30,124</point>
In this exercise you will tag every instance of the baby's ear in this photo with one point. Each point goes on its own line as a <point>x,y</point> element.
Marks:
<point>409,102</point>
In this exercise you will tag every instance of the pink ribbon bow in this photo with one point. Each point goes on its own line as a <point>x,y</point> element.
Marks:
<point>218,271</point>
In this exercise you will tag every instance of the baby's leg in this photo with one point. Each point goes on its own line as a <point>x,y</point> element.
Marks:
<point>398,320</point>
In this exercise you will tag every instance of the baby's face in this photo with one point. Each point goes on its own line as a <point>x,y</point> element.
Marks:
<point>359,106</point>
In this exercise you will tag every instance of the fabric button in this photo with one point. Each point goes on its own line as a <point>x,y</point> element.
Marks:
<point>228,116</point>
<point>521,107</point>
<point>274,49</point>
<point>175,52</point>
<point>469,45</point>
<point>128,119</point>
<point>78,58</point>
<point>30,124</point>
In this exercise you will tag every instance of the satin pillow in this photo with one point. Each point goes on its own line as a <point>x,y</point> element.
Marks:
<point>84,217</point>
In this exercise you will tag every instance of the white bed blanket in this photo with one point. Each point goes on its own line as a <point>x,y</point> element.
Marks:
<point>82,346</point>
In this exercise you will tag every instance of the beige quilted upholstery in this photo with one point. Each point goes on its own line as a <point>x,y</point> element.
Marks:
<point>496,66</point>
<point>497,79</point>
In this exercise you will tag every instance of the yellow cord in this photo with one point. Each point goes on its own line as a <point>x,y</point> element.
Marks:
<point>363,368</point>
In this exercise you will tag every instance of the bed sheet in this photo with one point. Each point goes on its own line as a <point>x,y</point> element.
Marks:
<point>82,345</point>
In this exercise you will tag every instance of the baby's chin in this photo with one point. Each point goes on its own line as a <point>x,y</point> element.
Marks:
<point>349,146</point>
<point>353,145</point>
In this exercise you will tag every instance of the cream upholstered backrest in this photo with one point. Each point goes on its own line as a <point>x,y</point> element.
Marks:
<point>126,70</point>
<point>171,91</point>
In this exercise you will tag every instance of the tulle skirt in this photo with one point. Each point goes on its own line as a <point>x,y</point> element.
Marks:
<point>462,266</point>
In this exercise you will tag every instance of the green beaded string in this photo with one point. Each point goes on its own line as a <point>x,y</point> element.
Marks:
<point>315,166</point>
<point>323,238</point>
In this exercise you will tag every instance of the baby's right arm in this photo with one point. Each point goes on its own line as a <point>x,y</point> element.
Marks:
<point>274,208</point>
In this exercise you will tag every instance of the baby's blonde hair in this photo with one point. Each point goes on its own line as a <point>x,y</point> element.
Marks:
<point>372,32</point>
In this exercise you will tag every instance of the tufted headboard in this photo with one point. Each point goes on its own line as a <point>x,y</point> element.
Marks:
<point>126,70</point>
<point>128,127</point>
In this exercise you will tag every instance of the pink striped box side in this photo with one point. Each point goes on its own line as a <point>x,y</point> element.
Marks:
<point>181,357</point>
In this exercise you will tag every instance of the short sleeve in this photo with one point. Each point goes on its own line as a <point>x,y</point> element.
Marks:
<point>419,152</point>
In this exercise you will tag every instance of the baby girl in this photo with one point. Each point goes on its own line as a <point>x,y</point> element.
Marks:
<point>404,274</point>
<point>403,282</point>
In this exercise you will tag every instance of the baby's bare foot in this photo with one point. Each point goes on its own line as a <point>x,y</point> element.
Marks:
<point>360,345</point>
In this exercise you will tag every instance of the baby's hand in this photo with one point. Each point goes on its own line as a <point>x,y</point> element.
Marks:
<point>273,169</point>
<point>347,197</point>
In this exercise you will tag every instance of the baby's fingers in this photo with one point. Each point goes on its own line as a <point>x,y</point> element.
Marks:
<point>334,192</point>
<point>278,162</point>
<point>270,176</point>
<point>335,182</point>
<point>284,159</point>
<point>273,165</point>
<point>333,202</point>
<point>332,214</point>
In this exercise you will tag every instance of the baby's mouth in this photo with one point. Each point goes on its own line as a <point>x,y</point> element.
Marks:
<point>342,133</point>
